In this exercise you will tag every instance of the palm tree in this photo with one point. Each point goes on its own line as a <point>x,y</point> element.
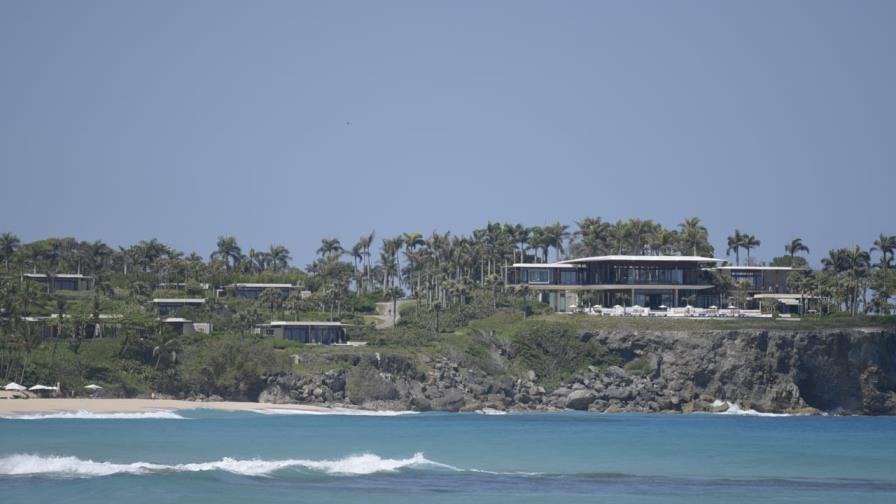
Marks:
<point>148,252</point>
<point>9,243</point>
<point>413,240</point>
<point>357,255</point>
<point>594,235</point>
<point>694,237</point>
<point>848,267</point>
<point>520,235</point>
<point>886,245</point>
<point>638,234</point>
<point>750,242</point>
<point>796,246</point>
<point>165,346</point>
<point>662,241</point>
<point>860,264</point>
<point>228,251</point>
<point>330,247</point>
<point>618,237</point>
<point>389,262</point>
<point>97,253</point>
<point>279,256</point>
<point>259,261</point>
<point>538,240</point>
<point>555,235</point>
<point>735,242</point>
<point>366,242</point>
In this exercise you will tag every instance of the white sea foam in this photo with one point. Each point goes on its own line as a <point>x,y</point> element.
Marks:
<point>20,465</point>
<point>37,465</point>
<point>734,409</point>
<point>332,411</point>
<point>490,411</point>
<point>89,415</point>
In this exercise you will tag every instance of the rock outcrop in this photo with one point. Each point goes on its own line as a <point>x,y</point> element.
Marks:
<point>836,371</point>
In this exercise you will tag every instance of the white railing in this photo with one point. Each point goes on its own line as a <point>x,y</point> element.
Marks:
<point>682,312</point>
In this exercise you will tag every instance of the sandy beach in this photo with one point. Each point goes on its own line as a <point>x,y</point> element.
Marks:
<point>32,406</point>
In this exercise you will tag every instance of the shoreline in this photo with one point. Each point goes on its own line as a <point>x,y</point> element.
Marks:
<point>12,408</point>
<point>72,405</point>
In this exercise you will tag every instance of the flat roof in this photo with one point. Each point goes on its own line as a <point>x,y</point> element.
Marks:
<point>758,268</point>
<point>264,285</point>
<point>542,265</point>
<point>301,323</point>
<point>103,316</point>
<point>781,296</point>
<point>643,258</point>
<point>176,320</point>
<point>179,300</point>
<point>60,275</point>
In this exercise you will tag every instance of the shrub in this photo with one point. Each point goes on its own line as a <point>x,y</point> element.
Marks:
<point>638,366</point>
<point>554,351</point>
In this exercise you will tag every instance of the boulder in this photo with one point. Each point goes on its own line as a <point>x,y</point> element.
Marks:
<point>579,399</point>
<point>453,400</point>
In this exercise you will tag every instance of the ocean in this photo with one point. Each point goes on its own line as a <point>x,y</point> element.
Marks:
<point>205,456</point>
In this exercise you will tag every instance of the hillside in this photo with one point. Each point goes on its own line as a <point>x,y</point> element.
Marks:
<point>507,362</point>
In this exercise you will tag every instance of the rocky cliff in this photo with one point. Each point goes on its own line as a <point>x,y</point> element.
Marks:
<point>838,371</point>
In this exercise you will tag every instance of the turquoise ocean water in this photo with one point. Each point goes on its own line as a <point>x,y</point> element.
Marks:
<point>224,457</point>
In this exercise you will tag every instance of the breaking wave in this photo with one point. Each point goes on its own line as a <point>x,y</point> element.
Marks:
<point>490,411</point>
<point>89,415</point>
<point>734,409</point>
<point>332,411</point>
<point>37,465</point>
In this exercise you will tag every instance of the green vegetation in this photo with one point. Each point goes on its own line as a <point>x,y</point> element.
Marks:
<point>455,304</point>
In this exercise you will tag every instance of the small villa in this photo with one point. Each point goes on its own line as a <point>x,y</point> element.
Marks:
<point>166,306</point>
<point>52,326</point>
<point>186,327</point>
<point>62,281</point>
<point>323,333</point>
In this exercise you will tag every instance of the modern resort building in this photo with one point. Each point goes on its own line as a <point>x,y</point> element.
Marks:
<point>647,281</point>
<point>324,333</point>
<point>765,286</point>
<point>654,282</point>
<point>62,281</point>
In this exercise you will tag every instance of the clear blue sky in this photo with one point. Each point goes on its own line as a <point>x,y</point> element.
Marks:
<point>124,121</point>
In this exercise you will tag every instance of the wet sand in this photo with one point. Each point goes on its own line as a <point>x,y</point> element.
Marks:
<point>28,406</point>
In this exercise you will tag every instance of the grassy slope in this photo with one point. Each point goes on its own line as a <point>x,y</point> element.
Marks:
<point>502,344</point>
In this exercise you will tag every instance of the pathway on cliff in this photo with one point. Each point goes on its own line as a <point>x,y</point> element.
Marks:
<point>384,314</point>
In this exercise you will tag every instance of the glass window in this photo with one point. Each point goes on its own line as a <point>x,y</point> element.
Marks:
<point>296,334</point>
<point>539,276</point>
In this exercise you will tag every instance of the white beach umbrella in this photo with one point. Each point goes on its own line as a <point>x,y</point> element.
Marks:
<point>41,387</point>
<point>92,386</point>
<point>14,386</point>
